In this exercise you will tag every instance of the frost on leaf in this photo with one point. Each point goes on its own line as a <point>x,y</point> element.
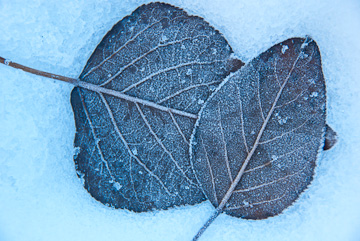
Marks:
<point>137,104</point>
<point>257,138</point>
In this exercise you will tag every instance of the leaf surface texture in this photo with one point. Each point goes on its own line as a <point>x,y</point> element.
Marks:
<point>137,104</point>
<point>257,138</point>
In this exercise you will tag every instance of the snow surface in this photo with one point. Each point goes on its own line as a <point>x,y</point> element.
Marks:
<point>41,197</point>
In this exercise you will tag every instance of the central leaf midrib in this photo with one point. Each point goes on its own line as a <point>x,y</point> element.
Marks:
<point>126,97</point>
<point>127,147</point>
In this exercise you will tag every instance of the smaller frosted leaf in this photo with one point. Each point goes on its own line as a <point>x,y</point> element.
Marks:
<point>256,142</point>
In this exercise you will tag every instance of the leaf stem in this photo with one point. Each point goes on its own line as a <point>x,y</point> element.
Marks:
<point>37,72</point>
<point>96,88</point>
<point>207,224</point>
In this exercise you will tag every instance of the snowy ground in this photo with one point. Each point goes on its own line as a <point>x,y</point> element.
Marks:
<point>41,197</point>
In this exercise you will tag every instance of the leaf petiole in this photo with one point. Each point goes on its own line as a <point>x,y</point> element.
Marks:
<point>37,72</point>
<point>96,88</point>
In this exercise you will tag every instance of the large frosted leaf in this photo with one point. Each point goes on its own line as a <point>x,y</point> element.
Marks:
<point>137,103</point>
<point>257,138</point>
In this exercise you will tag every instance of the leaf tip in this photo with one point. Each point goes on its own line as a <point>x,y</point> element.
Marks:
<point>330,138</point>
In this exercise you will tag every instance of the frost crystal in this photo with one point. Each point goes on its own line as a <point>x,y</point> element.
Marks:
<point>284,48</point>
<point>189,72</point>
<point>117,186</point>
<point>314,94</point>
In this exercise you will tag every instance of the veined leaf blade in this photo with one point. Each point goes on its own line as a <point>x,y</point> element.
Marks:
<point>260,133</point>
<point>136,105</point>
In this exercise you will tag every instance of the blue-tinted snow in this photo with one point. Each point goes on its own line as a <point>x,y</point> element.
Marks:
<point>41,197</point>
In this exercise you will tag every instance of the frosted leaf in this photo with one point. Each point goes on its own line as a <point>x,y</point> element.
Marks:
<point>256,165</point>
<point>137,104</point>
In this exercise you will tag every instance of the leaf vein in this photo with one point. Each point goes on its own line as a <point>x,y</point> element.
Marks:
<point>178,127</point>
<point>162,144</point>
<point>120,48</point>
<point>286,133</point>
<point>210,170</point>
<point>95,137</point>
<point>186,89</point>
<point>224,144</point>
<point>257,203</point>
<point>278,158</point>
<point>132,99</point>
<point>128,148</point>
<point>268,183</point>
<point>164,71</point>
<point>242,119</point>
<point>259,99</point>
